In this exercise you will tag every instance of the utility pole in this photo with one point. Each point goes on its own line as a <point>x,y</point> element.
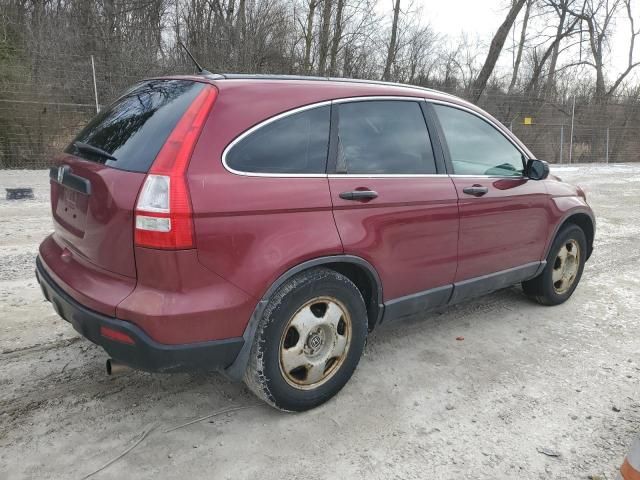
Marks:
<point>95,86</point>
<point>607,145</point>
<point>573,114</point>
<point>561,141</point>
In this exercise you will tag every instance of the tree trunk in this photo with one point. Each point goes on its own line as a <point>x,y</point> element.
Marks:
<point>324,37</point>
<point>523,36</point>
<point>537,69</point>
<point>230,11</point>
<point>241,34</point>
<point>308,37</point>
<point>391,53</point>
<point>347,64</point>
<point>337,36</point>
<point>551,78</point>
<point>495,49</point>
<point>601,90</point>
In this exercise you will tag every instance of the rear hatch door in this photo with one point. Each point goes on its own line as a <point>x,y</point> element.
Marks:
<point>95,183</point>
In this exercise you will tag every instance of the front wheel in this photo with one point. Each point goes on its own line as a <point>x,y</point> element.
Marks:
<point>563,271</point>
<point>309,341</point>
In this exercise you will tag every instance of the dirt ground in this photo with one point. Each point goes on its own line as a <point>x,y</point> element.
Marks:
<point>527,381</point>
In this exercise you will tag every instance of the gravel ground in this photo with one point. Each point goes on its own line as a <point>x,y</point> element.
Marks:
<point>530,393</point>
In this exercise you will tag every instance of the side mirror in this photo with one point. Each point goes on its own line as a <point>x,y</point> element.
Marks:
<point>537,169</point>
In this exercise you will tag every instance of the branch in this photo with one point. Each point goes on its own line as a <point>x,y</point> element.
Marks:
<point>621,78</point>
<point>631,65</point>
<point>575,64</point>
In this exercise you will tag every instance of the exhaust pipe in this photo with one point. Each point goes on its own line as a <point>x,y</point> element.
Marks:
<point>114,367</point>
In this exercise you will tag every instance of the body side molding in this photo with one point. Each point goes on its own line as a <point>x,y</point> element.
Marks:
<point>451,294</point>
<point>478,286</point>
<point>417,302</point>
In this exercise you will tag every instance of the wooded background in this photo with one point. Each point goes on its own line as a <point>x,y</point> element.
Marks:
<point>557,52</point>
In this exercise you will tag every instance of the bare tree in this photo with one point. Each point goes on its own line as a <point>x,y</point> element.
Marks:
<point>46,45</point>
<point>337,37</point>
<point>308,36</point>
<point>393,42</point>
<point>599,17</point>
<point>552,51</point>
<point>421,54</point>
<point>561,10</point>
<point>523,37</point>
<point>496,48</point>
<point>324,40</point>
<point>463,62</point>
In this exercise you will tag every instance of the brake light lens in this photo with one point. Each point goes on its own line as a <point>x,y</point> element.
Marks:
<point>163,216</point>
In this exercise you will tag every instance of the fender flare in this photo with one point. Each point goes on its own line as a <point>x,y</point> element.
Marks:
<point>570,213</point>
<point>236,370</point>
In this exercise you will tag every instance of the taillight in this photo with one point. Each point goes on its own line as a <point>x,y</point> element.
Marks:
<point>164,217</point>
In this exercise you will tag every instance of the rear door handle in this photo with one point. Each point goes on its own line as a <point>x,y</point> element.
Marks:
<point>359,195</point>
<point>475,190</point>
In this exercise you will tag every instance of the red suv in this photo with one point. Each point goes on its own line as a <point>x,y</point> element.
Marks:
<point>261,226</point>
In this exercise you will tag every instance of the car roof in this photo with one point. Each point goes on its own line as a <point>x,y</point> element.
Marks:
<point>340,86</point>
<point>331,80</point>
<point>352,84</point>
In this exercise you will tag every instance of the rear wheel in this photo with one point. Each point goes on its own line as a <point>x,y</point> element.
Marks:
<point>563,271</point>
<point>309,341</point>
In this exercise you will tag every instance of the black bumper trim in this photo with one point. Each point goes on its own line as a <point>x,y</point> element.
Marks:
<point>146,353</point>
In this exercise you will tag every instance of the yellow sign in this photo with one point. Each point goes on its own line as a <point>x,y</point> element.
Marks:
<point>528,121</point>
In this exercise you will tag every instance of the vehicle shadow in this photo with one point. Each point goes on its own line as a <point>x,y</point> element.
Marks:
<point>71,378</point>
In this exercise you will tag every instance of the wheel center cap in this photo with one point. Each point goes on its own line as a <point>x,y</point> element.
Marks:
<point>315,341</point>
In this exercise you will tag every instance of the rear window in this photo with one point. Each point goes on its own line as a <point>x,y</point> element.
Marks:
<point>134,128</point>
<point>296,143</point>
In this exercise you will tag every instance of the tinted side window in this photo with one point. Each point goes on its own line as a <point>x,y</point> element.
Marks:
<point>134,128</point>
<point>384,137</point>
<point>297,143</point>
<point>476,147</point>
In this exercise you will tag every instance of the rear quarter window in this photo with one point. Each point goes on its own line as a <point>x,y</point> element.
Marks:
<point>294,144</point>
<point>134,128</point>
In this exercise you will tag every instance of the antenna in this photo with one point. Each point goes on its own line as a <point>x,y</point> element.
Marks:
<point>201,70</point>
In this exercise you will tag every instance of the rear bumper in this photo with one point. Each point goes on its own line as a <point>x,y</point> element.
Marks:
<point>144,353</point>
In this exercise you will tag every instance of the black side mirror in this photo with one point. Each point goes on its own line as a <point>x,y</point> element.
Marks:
<point>537,169</point>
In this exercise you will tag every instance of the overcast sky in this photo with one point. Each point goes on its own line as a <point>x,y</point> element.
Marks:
<point>481,18</point>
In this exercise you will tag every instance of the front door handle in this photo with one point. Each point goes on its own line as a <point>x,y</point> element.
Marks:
<point>475,190</point>
<point>359,195</point>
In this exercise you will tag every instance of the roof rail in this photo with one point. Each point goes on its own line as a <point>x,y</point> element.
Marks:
<point>213,76</point>
<point>391,84</point>
<point>262,76</point>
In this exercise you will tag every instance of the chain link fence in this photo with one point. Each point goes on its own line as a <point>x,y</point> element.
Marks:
<point>594,131</point>
<point>41,110</point>
<point>40,130</point>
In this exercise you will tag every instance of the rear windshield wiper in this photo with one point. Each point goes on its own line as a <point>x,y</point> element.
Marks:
<point>85,147</point>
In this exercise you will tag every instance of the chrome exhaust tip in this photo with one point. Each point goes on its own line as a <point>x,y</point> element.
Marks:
<point>114,367</point>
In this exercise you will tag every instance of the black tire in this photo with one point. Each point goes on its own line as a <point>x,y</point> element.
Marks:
<point>541,288</point>
<point>265,375</point>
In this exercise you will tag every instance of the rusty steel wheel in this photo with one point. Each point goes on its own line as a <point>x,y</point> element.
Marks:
<point>566,266</point>
<point>315,343</point>
<point>309,340</point>
<point>563,269</point>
